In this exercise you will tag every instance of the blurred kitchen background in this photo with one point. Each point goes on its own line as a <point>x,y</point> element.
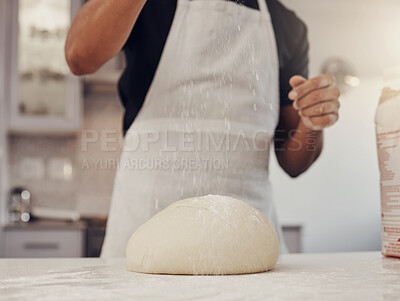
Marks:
<point>48,117</point>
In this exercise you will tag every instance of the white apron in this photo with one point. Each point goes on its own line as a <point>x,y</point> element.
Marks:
<point>207,122</point>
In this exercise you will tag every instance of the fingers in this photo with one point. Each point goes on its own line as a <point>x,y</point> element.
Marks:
<point>317,96</point>
<point>322,108</point>
<point>297,80</point>
<point>316,100</point>
<point>308,86</point>
<point>321,122</point>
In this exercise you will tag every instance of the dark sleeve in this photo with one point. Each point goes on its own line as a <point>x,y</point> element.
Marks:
<point>296,65</point>
<point>292,43</point>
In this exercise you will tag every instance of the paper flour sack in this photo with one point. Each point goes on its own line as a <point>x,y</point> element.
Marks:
<point>387,120</point>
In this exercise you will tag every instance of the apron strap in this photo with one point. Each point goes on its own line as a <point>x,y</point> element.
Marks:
<point>262,4</point>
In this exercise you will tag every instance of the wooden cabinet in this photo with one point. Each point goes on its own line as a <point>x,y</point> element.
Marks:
<point>42,95</point>
<point>44,241</point>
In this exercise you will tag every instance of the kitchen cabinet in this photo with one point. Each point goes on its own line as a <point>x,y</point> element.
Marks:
<point>94,239</point>
<point>3,140</point>
<point>43,96</point>
<point>292,235</point>
<point>43,240</point>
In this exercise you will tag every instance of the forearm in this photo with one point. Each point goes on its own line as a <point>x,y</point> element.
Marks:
<point>300,149</point>
<point>98,32</point>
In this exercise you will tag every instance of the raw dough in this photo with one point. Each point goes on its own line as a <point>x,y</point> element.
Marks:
<point>210,235</point>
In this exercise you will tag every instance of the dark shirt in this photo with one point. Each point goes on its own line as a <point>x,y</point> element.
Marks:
<point>146,43</point>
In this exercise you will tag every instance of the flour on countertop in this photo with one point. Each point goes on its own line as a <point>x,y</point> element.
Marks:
<point>357,276</point>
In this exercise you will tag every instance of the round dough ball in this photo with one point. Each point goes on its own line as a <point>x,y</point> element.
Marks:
<point>210,235</point>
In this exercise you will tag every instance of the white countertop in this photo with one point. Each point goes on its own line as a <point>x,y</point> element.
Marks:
<point>341,276</point>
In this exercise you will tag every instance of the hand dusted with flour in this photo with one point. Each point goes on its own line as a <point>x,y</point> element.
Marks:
<point>210,235</point>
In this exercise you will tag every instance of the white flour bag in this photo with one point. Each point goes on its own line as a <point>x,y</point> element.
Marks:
<point>387,120</point>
